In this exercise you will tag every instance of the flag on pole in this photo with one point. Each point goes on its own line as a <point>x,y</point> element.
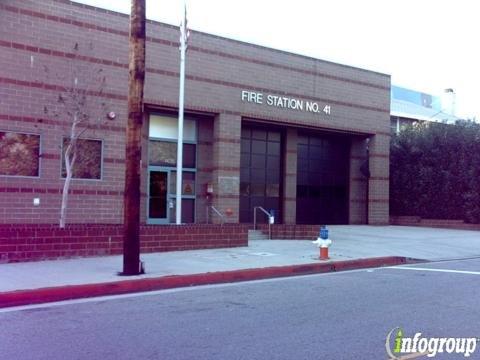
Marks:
<point>184,30</point>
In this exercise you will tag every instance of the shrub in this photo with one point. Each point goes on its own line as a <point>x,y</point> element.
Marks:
<point>435,171</point>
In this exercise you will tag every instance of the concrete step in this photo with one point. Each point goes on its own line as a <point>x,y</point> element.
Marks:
<point>257,235</point>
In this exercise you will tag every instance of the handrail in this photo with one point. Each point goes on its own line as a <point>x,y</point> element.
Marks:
<point>216,212</point>
<point>269,220</point>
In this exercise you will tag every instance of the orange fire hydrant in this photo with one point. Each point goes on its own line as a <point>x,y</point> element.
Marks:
<point>323,243</point>
<point>324,253</point>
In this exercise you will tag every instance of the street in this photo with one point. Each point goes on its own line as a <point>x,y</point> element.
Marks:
<point>343,315</point>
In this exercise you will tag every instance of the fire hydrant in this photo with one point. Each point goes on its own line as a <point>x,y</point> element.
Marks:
<point>323,242</point>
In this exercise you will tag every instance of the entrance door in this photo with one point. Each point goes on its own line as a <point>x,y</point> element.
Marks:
<point>158,197</point>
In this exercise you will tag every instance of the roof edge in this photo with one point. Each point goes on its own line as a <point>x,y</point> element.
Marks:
<point>156,22</point>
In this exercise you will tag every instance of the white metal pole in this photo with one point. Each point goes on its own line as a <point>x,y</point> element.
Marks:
<point>183,34</point>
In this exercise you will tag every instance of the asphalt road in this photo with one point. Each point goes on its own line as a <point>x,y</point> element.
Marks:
<point>331,316</point>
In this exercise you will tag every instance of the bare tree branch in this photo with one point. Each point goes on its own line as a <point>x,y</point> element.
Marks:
<point>80,104</point>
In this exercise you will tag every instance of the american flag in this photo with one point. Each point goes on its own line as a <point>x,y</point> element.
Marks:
<point>184,30</point>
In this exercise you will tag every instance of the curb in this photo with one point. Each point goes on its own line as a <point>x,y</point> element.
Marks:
<point>70,292</point>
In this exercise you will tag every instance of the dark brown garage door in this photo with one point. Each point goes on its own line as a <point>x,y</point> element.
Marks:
<point>322,179</point>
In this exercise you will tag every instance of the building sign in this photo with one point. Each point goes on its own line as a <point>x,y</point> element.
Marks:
<point>284,102</point>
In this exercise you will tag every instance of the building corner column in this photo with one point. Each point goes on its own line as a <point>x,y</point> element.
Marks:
<point>290,177</point>
<point>357,206</point>
<point>378,199</point>
<point>226,167</point>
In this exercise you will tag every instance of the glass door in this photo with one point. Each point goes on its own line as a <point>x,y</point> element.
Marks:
<point>158,197</point>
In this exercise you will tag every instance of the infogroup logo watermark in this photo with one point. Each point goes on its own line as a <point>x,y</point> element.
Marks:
<point>399,346</point>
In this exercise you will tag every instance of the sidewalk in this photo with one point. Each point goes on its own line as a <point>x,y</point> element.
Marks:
<point>353,247</point>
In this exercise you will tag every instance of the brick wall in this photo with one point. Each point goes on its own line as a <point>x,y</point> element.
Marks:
<point>226,170</point>
<point>357,182</point>
<point>34,34</point>
<point>378,192</point>
<point>27,242</point>
<point>435,223</point>
<point>292,231</point>
<point>290,177</point>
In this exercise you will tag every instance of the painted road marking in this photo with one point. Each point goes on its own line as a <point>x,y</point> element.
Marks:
<point>435,270</point>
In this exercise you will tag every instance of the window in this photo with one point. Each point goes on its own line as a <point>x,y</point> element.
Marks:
<point>166,127</point>
<point>260,180</point>
<point>19,154</point>
<point>188,183</point>
<point>88,164</point>
<point>164,153</point>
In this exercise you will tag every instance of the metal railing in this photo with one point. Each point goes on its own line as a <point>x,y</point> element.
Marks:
<point>215,210</point>
<point>270,219</point>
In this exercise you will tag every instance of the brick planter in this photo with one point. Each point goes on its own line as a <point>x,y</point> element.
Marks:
<point>292,231</point>
<point>436,223</point>
<point>27,242</point>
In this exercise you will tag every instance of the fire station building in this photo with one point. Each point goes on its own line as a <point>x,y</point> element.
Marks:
<point>263,127</point>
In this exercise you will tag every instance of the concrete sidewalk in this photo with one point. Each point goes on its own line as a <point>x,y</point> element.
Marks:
<point>353,247</point>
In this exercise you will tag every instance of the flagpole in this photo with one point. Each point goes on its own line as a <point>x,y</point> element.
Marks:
<point>178,197</point>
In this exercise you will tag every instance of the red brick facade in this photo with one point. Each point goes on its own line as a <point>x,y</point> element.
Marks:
<point>34,34</point>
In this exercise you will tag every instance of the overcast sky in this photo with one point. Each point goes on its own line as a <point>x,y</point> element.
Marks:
<point>426,45</point>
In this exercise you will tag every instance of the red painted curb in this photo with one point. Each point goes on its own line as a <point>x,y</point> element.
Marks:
<point>45,295</point>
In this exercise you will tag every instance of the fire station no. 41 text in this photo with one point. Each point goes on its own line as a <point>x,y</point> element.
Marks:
<point>284,102</point>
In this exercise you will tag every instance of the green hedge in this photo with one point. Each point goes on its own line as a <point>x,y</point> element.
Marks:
<point>435,171</point>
